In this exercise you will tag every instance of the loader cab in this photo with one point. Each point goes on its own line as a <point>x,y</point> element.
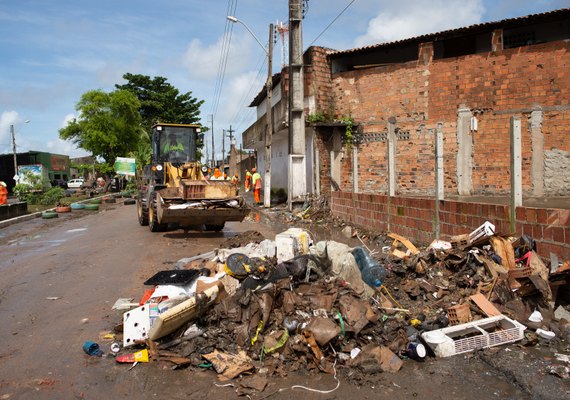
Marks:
<point>175,143</point>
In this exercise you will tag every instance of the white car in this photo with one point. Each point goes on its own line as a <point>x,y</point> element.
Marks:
<point>75,183</point>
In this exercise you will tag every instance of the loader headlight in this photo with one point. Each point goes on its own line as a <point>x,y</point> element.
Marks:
<point>159,167</point>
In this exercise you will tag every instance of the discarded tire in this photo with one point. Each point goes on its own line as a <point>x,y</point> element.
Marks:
<point>96,201</point>
<point>49,214</point>
<point>63,209</point>
<point>92,207</point>
<point>129,201</point>
<point>109,200</point>
<point>77,206</point>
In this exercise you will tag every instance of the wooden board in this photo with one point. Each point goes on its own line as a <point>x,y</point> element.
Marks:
<point>485,305</point>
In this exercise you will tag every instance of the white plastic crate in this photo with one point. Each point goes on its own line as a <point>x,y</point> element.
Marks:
<point>487,229</point>
<point>475,335</point>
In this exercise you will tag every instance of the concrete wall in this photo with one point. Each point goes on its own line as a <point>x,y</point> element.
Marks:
<point>13,210</point>
<point>415,219</point>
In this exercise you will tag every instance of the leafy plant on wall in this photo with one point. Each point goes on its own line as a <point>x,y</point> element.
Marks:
<point>349,124</point>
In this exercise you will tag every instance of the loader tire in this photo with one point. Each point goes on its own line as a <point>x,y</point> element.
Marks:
<point>142,211</point>
<point>215,228</point>
<point>153,224</point>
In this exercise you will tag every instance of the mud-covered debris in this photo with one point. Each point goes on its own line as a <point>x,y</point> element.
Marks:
<point>242,239</point>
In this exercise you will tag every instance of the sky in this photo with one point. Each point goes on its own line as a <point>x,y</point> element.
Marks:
<point>53,51</point>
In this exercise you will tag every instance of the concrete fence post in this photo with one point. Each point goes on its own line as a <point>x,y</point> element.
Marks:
<point>516,169</point>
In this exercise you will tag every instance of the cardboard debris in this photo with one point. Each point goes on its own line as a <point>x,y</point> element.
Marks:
<point>229,366</point>
<point>375,358</point>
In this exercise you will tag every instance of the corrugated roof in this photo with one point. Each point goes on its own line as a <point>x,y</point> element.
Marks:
<point>454,32</point>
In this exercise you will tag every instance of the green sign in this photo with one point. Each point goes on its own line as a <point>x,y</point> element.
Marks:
<point>125,166</point>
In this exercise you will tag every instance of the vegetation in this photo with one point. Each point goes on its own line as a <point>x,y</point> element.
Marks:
<point>316,117</point>
<point>160,101</point>
<point>349,123</point>
<point>108,125</point>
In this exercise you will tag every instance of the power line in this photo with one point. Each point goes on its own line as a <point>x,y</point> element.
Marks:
<point>332,22</point>
<point>224,51</point>
<point>248,93</point>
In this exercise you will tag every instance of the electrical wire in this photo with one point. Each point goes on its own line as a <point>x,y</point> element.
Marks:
<point>224,52</point>
<point>332,22</point>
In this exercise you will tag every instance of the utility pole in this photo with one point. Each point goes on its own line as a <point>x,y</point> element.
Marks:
<point>297,172</point>
<point>213,156</point>
<point>269,132</point>
<point>223,149</point>
<point>15,158</point>
<point>231,131</point>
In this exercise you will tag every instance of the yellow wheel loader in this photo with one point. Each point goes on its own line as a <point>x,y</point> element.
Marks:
<point>172,190</point>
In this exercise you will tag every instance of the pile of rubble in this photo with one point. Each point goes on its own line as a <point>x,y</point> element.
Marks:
<point>269,307</point>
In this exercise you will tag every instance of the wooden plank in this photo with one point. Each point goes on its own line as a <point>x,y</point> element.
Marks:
<point>405,242</point>
<point>485,305</point>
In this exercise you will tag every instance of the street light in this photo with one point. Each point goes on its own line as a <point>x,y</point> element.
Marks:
<point>16,176</point>
<point>269,88</point>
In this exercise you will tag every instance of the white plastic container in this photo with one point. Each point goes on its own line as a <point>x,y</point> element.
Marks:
<point>487,229</point>
<point>292,243</point>
<point>480,334</point>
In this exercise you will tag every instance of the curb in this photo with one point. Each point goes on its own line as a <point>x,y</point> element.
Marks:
<point>28,217</point>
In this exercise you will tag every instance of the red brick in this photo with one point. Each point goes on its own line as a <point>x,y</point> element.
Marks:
<point>541,216</point>
<point>558,234</point>
<point>564,217</point>
<point>530,215</point>
<point>537,232</point>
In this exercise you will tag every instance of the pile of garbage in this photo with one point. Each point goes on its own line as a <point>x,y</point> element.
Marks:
<point>270,307</point>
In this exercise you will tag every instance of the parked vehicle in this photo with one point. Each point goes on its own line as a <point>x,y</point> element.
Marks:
<point>59,183</point>
<point>75,183</point>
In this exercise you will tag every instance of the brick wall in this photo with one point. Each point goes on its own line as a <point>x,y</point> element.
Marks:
<point>415,219</point>
<point>494,86</point>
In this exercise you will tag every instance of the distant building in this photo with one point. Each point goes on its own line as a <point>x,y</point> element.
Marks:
<point>57,165</point>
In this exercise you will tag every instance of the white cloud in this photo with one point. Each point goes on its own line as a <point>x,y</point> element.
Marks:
<point>408,18</point>
<point>67,119</point>
<point>203,62</point>
<point>6,119</point>
<point>59,146</point>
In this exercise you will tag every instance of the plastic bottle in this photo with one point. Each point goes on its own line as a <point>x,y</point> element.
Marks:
<point>372,272</point>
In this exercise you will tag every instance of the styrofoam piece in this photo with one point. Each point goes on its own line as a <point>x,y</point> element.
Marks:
<point>137,323</point>
<point>291,243</point>
<point>561,313</point>
<point>548,335</point>
<point>487,229</point>
<point>536,316</point>
<point>480,334</point>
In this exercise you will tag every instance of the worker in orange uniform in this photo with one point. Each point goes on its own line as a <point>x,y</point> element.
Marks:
<point>256,182</point>
<point>3,193</point>
<point>217,175</point>
<point>235,179</point>
<point>247,183</point>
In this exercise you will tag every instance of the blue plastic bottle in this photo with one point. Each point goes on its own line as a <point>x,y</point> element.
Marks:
<point>372,273</point>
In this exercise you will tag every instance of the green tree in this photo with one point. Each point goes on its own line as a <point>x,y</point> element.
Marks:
<point>108,126</point>
<point>160,101</point>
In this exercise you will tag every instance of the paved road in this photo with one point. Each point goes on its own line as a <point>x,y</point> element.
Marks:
<point>59,279</point>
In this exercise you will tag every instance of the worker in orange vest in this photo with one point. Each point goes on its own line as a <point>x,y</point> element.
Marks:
<point>3,193</point>
<point>235,179</point>
<point>256,181</point>
<point>247,183</point>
